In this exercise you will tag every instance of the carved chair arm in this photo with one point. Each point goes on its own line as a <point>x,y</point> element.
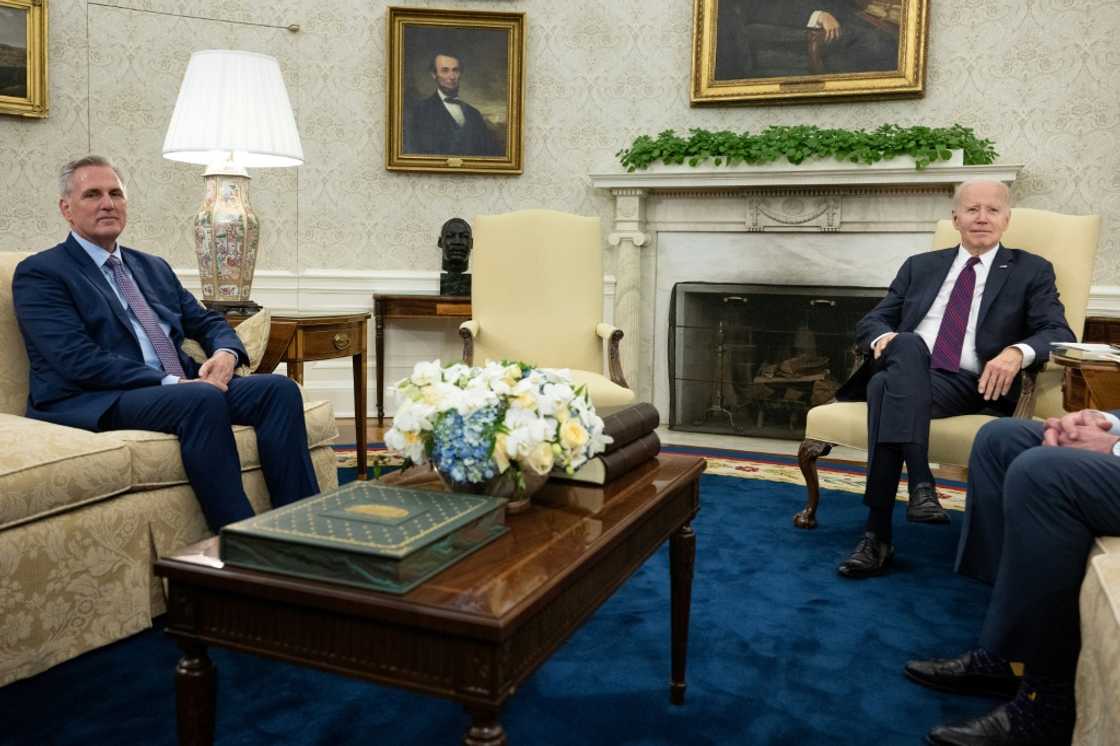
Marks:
<point>613,335</point>
<point>469,330</point>
<point>1027,395</point>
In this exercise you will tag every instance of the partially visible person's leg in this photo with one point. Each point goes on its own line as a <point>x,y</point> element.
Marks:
<point>273,405</point>
<point>198,415</point>
<point>996,446</point>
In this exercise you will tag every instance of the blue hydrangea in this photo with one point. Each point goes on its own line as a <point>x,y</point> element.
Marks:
<point>462,445</point>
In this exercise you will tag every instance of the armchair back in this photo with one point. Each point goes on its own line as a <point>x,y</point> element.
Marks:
<point>537,289</point>
<point>13,355</point>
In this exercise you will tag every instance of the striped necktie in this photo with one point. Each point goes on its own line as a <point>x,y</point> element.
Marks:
<point>147,318</point>
<point>950,336</point>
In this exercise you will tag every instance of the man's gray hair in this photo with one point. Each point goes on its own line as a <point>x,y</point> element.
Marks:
<point>67,172</point>
<point>973,182</point>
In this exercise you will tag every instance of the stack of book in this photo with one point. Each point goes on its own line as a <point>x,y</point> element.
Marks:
<point>1090,351</point>
<point>635,442</point>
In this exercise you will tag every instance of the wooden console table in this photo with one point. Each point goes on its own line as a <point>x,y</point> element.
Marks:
<point>409,307</point>
<point>297,338</point>
<point>1089,384</point>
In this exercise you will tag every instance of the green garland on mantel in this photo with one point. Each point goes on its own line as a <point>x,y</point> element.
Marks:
<point>797,143</point>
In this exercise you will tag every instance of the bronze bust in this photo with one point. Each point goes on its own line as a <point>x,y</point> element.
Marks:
<point>456,241</point>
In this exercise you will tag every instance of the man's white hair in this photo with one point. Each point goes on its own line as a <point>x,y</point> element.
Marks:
<point>975,182</point>
<point>67,173</point>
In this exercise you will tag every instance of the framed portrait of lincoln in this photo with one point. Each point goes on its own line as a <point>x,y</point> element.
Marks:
<point>23,57</point>
<point>779,51</point>
<point>455,91</point>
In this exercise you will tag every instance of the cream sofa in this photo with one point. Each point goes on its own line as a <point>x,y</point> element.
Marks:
<point>1098,667</point>
<point>83,515</point>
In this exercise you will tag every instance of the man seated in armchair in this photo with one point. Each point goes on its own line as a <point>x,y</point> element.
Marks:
<point>1038,495</point>
<point>951,336</point>
<point>103,325</point>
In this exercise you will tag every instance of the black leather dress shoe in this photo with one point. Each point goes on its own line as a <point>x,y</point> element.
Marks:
<point>870,558</point>
<point>962,676</point>
<point>994,729</point>
<point>924,507</point>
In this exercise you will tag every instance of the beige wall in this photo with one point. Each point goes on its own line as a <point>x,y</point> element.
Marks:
<point>1036,76</point>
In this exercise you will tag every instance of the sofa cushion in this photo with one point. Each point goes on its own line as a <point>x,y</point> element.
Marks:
<point>155,456</point>
<point>49,468</point>
<point>253,333</point>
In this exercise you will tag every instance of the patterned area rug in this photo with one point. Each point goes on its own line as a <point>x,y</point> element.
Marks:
<point>726,463</point>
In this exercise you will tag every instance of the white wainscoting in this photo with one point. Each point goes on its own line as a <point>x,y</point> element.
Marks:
<point>338,291</point>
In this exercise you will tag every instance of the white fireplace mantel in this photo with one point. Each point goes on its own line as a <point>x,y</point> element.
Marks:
<point>776,223</point>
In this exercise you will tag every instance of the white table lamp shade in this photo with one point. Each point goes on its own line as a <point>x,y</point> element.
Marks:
<point>233,102</point>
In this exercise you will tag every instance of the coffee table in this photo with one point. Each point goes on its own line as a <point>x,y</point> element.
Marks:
<point>473,632</point>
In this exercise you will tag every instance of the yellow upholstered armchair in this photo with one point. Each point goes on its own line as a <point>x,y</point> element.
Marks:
<point>1070,243</point>
<point>537,296</point>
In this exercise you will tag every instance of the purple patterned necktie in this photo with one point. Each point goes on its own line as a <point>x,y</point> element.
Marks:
<point>950,337</point>
<point>147,317</point>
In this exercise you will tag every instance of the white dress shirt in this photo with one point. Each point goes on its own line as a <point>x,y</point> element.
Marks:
<point>453,108</point>
<point>930,325</point>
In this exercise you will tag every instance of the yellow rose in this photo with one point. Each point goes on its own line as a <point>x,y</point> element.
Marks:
<point>501,458</point>
<point>524,401</point>
<point>540,458</point>
<point>561,413</point>
<point>573,435</point>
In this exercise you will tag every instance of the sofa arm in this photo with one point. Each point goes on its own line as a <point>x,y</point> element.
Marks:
<point>613,335</point>
<point>469,330</point>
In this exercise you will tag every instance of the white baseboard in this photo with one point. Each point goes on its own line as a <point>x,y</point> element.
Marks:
<point>336,291</point>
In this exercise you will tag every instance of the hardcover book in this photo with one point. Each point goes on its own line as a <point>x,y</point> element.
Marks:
<point>613,464</point>
<point>376,536</point>
<point>630,423</point>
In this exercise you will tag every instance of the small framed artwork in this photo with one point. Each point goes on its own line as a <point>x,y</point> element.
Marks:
<point>795,51</point>
<point>455,91</point>
<point>23,57</point>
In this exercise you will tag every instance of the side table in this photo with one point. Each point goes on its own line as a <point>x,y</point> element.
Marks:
<point>297,338</point>
<point>1089,384</point>
<point>409,307</point>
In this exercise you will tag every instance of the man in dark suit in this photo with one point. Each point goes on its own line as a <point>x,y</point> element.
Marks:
<point>103,325</point>
<point>956,327</point>
<point>1038,495</point>
<point>444,124</point>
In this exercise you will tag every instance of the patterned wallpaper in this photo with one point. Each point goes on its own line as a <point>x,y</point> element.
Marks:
<point>1036,76</point>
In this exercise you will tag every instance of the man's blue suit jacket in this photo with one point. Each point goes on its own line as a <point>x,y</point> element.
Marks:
<point>1020,304</point>
<point>82,349</point>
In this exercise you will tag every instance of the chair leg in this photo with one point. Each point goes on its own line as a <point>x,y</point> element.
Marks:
<point>807,456</point>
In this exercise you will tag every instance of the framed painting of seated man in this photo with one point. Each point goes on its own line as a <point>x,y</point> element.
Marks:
<point>777,51</point>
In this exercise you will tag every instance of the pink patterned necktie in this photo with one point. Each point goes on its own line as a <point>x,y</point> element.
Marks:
<point>950,337</point>
<point>147,317</point>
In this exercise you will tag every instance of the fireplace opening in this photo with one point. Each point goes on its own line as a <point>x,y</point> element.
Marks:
<point>752,359</point>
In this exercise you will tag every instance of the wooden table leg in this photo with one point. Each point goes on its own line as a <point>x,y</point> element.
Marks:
<point>360,411</point>
<point>682,560</point>
<point>379,358</point>
<point>295,370</point>
<point>195,695</point>
<point>485,729</point>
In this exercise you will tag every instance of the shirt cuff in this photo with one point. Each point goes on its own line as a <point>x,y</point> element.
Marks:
<point>1113,420</point>
<point>814,20</point>
<point>169,380</point>
<point>876,340</point>
<point>1028,353</point>
<point>236,357</point>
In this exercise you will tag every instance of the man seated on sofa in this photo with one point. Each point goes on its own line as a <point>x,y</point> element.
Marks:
<point>103,325</point>
<point>1038,495</point>
<point>950,337</point>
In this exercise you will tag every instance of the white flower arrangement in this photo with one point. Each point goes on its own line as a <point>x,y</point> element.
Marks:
<point>475,424</point>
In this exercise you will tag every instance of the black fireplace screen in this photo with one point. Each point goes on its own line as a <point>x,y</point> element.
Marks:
<point>752,359</point>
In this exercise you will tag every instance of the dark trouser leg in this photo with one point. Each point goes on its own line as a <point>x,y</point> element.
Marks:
<point>274,407</point>
<point>1056,500</point>
<point>197,413</point>
<point>996,446</point>
<point>898,410</point>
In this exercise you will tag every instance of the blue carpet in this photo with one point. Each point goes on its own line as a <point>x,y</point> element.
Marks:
<point>781,651</point>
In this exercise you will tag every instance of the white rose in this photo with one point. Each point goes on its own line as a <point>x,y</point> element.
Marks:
<point>425,373</point>
<point>539,459</point>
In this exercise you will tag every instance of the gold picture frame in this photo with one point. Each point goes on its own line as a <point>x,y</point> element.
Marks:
<point>796,51</point>
<point>23,57</point>
<point>436,55</point>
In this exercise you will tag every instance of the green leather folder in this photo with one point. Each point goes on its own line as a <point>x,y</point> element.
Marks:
<point>367,534</point>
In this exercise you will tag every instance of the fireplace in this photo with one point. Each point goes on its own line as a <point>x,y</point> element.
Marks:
<point>751,359</point>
